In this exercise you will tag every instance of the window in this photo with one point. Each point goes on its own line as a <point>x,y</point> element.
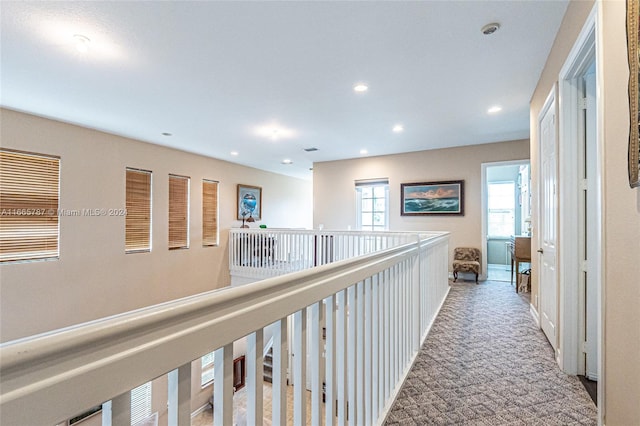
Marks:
<point>207,369</point>
<point>138,219</point>
<point>178,212</point>
<point>372,204</point>
<point>140,403</point>
<point>501,215</point>
<point>29,195</point>
<point>209,213</point>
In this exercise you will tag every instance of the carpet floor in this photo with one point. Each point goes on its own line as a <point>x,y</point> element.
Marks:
<point>486,363</point>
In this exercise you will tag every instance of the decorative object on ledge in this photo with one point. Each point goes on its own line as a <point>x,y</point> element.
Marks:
<point>432,198</point>
<point>633,36</point>
<point>249,203</point>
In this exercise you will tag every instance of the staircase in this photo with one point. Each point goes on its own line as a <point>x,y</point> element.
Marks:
<point>268,366</point>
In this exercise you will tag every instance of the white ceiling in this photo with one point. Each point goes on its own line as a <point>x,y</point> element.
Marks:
<point>213,73</point>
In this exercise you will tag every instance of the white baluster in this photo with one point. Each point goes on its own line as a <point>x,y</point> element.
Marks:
<point>330,356</point>
<point>315,352</point>
<point>351,353</point>
<point>368,348</point>
<point>179,396</point>
<point>299,367</point>
<point>106,414</point>
<point>341,359</point>
<point>360,404</point>
<point>279,389</point>
<point>223,386</point>
<point>255,377</point>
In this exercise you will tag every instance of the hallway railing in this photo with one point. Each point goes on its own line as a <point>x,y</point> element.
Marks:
<point>265,253</point>
<point>358,321</point>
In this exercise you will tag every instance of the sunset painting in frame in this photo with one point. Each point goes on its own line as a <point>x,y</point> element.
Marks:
<point>432,198</point>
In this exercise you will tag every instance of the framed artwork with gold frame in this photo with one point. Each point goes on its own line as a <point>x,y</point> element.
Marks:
<point>633,36</point>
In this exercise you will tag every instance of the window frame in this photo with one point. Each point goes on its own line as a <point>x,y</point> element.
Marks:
<point>141,403</point>
<point>207,369</point>
<point>512,210</point>
<point>179,227</point>
<point>210,240</point>
<point>138,248</point>
<point>42,212</point>
<point>359,186</point>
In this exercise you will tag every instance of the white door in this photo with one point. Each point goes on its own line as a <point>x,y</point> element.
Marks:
<point>548,222</point>
<point>591,208</point>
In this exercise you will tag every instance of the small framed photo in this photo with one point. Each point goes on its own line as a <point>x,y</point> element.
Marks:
<point>432,198</point>
<point>249,202</point>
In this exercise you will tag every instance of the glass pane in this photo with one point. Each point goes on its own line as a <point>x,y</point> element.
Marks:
<point>367,205</point>
<point>378,219</point>
<point>379,205</point>
<point>502,195</point>
<point>366,192</point>
<point>367,219</point>
<point>378,191</point>
<point>501,223</point>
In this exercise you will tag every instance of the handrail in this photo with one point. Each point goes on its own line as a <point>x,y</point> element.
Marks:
<point>132,347</point>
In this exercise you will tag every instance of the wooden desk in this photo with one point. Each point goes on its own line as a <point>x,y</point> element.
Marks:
<point>520,250</point>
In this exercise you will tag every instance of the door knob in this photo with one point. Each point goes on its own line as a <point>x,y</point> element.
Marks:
<point>540,251</point>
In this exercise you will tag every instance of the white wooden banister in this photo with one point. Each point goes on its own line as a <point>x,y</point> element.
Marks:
<point>367,305</point>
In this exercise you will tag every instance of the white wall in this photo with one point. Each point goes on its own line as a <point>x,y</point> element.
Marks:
<point>334,203</point>
<point>94,277</point>
<point>621,219</point>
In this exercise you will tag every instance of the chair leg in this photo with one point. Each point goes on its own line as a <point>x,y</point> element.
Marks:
<point>476,278</point>
<point>455,276</point>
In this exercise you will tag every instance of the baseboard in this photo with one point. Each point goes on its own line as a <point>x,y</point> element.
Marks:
<point>201,409</point>
<point>534,314</point>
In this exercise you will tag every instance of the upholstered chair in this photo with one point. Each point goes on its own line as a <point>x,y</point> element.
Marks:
<point>466,259</point>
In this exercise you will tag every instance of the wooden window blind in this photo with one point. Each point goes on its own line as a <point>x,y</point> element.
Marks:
<point>209,213</point>
<point>29,197</point>
<point>138,220</point>
<point>178,212</point>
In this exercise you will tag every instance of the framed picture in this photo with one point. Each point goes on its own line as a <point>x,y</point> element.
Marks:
<point>249,202</point>
<point>633,36</point>
<point>432,198</point>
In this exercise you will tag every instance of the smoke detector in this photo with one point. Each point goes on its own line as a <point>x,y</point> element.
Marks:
<point>490,28</point>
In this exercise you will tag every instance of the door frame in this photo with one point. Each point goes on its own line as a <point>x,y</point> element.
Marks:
<point>485,205</point>
<point>586,49</point>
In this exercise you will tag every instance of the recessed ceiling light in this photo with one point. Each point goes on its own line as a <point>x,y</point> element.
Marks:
<point>494,109</point>
<point>364,151</point>
<point>287,161</point>
<point>275,132</point>
<point>234,153</point>
<point>82,43</point>
<point>398,128</point>
<point>360,87</point>
<point>490,28</point>
<point>166,134</point>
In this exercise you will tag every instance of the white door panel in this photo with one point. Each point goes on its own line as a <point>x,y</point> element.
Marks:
<point>548,223</point>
